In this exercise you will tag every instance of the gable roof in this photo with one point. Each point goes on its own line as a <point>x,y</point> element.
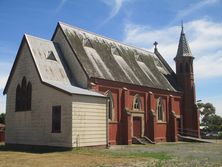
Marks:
<point>52,71</point>
<point>105,58</point>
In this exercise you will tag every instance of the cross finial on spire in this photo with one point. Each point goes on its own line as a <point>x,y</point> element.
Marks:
<point>155,44</point>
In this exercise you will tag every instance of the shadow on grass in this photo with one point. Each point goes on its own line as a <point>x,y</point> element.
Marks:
<point>32,149</point>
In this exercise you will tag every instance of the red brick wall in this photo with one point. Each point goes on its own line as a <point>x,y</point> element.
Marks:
<point>113,138</point>
<point>120,129</point>
<point>176,106</point>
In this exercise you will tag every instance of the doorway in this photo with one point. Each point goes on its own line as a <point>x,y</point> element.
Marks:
<point>137,127</point>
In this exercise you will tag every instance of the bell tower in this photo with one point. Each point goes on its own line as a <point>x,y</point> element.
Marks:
<point>185,79</point>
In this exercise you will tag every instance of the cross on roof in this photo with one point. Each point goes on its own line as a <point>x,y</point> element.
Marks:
<point>155,44</point>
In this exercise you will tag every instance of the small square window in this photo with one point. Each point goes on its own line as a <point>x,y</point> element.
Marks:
<point>56,119</point>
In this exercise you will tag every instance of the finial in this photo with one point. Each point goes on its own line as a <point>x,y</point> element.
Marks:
<point>155,44</point>
<point>182,27</point>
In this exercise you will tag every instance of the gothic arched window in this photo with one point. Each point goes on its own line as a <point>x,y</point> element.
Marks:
<point>23,96</point>
<point>110,105</point>
<point>137,102</point>
<point>160,109</point>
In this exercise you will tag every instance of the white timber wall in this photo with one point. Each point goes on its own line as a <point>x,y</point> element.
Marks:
<point>76,70</point>
<point>89,121</point>
<point>34,127</point>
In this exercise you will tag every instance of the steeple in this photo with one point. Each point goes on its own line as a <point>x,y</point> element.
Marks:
<point>185,79</point>
<point>183,47</point>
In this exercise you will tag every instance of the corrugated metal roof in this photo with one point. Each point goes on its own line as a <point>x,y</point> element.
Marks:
<point>49,69</point>
<point>51,66</point>
<point>73,89</point>
<point>108,59</point>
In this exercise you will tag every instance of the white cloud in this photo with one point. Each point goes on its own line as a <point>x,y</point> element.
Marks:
<point>194,7</point>
<point>5,69</point>
<point>2,103</point>
<point>60,6</point>
<point>116,5</point>
<point>204,37</point>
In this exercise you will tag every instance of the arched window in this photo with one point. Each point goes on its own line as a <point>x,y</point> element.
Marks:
<point>160,109</point>
<point>187,68</point>
<point>23,96</point>
<point>110,105</point>
<point>181,67</point>
<point>137,102</point>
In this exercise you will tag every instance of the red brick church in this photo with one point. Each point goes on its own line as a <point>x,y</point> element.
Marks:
<point>146,99</point>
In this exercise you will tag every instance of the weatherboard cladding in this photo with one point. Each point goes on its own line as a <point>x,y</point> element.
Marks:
<point>107,59</point>
<point>53,71</point>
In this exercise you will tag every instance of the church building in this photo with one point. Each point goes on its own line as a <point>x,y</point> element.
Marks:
<point>83,89</point>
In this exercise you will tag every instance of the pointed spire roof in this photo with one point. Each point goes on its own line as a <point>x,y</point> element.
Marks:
<point>183,47</point>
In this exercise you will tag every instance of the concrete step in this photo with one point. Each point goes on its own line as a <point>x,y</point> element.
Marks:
<point>194,139</point>
<point>143,140</point>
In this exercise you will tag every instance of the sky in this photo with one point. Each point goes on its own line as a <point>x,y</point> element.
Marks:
<point>135,22</point>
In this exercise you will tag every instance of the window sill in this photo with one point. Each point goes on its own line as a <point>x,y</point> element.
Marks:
<point>161,122</point>
<point>24,111</point>
<point>56,132</point>
<point>137,111</point>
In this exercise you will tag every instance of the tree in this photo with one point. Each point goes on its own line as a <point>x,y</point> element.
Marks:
<point>2,118</point>
<point>210,120</point>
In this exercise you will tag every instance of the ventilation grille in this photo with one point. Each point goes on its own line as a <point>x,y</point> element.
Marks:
<point>51,56</point>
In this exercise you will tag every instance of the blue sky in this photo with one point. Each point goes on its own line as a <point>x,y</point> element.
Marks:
<point>136,22</point>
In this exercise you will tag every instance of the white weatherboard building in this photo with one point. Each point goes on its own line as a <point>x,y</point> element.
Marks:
<point>44,108</point>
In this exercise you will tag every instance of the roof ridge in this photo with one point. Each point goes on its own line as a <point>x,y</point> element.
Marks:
<point>107,38</point>
<point>39,38</point>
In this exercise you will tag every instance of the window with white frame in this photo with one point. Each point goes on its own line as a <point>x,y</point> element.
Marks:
<point>137,102</point>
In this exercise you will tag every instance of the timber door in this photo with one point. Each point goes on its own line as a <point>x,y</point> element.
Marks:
<point>137,126</point>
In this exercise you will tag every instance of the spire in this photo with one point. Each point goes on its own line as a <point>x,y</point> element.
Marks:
<point>182,27</point>
<point>183,47</point>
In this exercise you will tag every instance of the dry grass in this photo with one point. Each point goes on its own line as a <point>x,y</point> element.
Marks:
<point>168,154</point>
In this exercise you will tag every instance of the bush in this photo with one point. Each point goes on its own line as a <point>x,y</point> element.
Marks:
<point>220,135</point>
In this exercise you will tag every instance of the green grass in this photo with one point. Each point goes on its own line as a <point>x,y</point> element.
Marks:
<point>123,154</point>
<point>156,155</point>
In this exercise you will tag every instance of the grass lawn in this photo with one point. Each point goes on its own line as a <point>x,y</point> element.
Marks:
<point>166,154</point>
